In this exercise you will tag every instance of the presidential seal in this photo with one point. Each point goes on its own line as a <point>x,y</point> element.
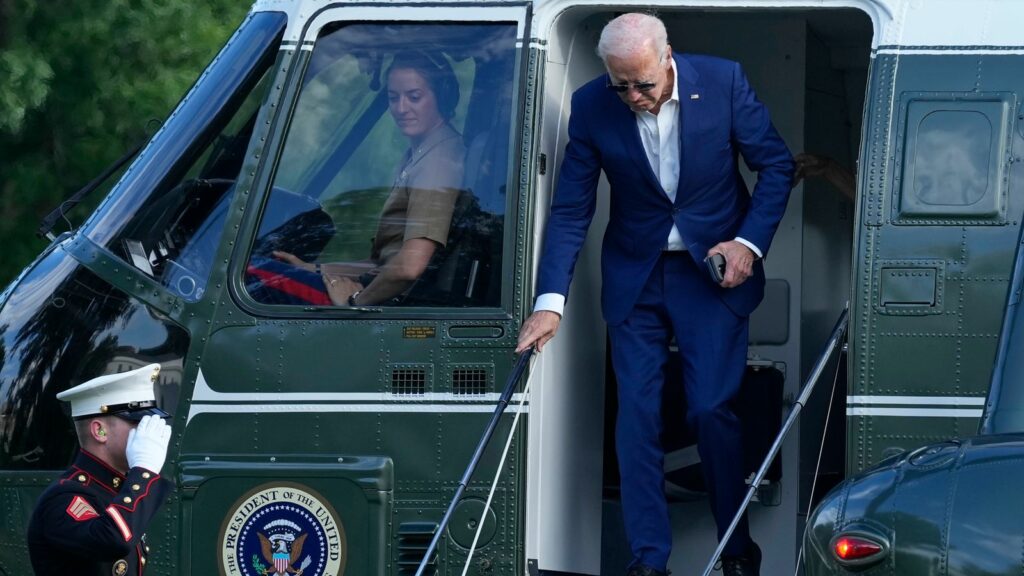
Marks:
<point>281,530</point>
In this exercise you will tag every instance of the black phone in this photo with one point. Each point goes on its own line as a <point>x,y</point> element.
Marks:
<point>716,267</point>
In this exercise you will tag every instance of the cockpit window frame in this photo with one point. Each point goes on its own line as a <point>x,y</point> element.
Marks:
<point>512,251</point>
<point>246,53</point>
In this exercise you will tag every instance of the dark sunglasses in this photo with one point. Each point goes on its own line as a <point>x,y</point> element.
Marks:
<point>638,86</point>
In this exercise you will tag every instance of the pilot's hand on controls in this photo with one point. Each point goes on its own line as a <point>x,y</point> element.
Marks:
<point>294,260</point>
<point>739,262</point>
<point>147,444</point>
<point>538,329</point>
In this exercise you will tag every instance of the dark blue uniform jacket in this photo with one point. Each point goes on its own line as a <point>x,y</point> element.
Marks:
<point>93,519</point>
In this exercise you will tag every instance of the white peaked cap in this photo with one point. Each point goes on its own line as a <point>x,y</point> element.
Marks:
<point>128,395</point>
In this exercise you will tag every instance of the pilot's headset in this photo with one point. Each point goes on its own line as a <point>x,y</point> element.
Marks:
<point>438,73</point>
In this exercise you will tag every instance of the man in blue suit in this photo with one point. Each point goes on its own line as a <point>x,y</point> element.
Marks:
<point>666,129</point>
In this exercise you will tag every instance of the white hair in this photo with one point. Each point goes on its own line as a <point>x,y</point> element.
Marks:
<point>630,33</point>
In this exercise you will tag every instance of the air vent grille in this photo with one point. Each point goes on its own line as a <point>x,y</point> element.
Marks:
<point>413,541</point>
<point>469,381</point>
<point>409,381</point>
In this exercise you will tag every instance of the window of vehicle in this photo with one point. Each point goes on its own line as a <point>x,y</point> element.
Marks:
<point>951,159</point>
<point>167,215</point>
<point>391,187</point>
<point>64,325</point>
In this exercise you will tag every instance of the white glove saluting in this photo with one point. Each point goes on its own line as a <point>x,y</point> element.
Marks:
<point>147,444</point>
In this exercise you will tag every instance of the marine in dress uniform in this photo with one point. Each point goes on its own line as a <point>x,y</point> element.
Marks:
<point>92,520</point>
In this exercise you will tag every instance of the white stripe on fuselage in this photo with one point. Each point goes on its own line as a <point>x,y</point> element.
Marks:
<point>967,51</point>
<point>914,412</point>
<point>206,400</point>
<point>916,406</point>
<point>918,400</point>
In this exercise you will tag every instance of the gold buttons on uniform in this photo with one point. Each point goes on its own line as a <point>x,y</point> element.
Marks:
<point>81,477</point>
<point>145,474</point>
<point>135,487</point>
<point>147,549</point>
<point>142,561</point>
<point>127,499</point>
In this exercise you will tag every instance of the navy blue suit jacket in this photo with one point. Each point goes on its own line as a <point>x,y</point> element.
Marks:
<point>720,117</point>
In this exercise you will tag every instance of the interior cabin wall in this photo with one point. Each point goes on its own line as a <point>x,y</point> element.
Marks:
<point>788,67</point>
<point>834,101</point>
<point>834,104</point>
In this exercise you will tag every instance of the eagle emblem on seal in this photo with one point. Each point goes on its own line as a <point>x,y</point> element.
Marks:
<point>283,548</point>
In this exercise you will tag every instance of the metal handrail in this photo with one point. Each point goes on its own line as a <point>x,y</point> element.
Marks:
<point>506,395</point>
<point>812,381</point>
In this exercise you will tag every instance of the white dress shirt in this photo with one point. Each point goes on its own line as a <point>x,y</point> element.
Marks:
<point>659,134</point>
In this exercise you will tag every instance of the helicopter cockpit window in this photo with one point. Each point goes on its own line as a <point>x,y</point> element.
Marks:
<point>61,326</point>
<point>391,188</point>
<point>174,200</point>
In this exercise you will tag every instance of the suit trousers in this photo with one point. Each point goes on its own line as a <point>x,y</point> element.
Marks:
<point>712,341</point>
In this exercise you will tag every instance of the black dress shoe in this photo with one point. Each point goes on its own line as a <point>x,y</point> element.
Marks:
<point>641,570</point>
<point>748,564</point>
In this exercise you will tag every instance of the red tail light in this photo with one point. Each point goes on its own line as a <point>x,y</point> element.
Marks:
<point>855,548</point>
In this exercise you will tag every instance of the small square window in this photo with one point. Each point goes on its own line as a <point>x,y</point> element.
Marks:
<point>953,160</point>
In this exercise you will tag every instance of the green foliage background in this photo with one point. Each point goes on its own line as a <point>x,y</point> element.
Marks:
<point>79,81</point>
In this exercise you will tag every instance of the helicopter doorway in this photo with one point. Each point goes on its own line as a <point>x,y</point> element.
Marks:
<point>810,68</point>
